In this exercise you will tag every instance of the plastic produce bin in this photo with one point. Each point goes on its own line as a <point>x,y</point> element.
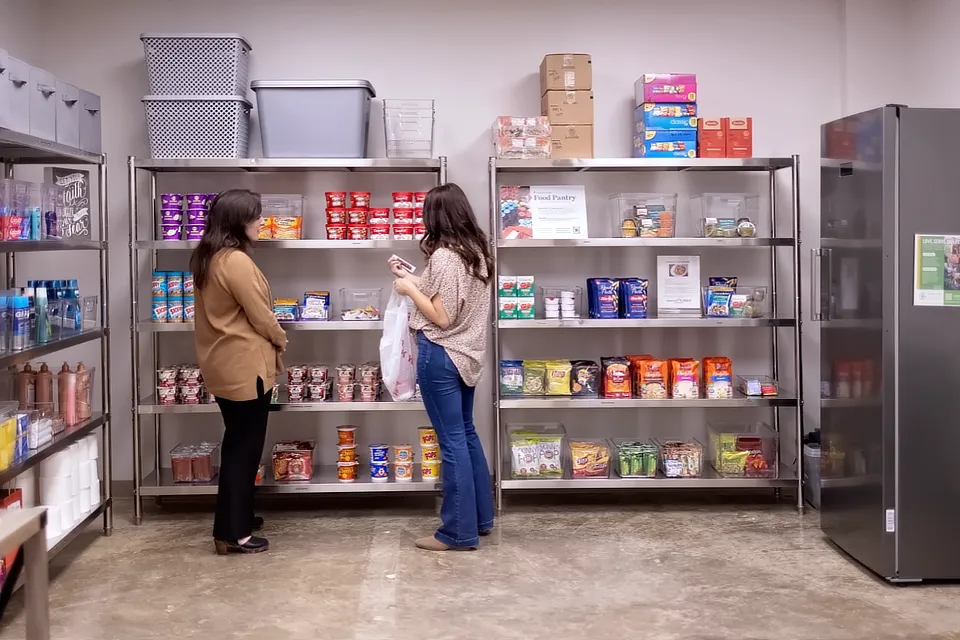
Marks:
<point>744,450</point>
<point>14,93</point>
<point>360,304</point>
<point>205,64</point>
<point>644,215</point>
<point>197,126</point>
<point>535,450</point>
<point>590,458</point>
<point>68,114</point>
<point>43,104</point>
<point>408,128</point>
<point>314,118</point>
<point>811,474</point>
<point>681,458</point>
<point>727,205</point>
<point>91,138</point>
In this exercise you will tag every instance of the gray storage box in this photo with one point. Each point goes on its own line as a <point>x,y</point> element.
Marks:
<point>43,104</point>
<point>68,114</point>
<point>811,474</point>
<point>314,118</point>
<point>14,93</point>
<point>197,126</point>
<point>90,132</point>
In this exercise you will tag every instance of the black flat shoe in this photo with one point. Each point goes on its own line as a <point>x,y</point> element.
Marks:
<point>257,523</point>
<point>486,532</point>
<point>253,545</point>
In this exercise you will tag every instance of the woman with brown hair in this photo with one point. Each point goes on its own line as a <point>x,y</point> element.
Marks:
<point>239,343</point>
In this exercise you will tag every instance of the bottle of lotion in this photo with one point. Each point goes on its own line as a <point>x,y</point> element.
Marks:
<point>44,386</point>
<point>26,388</point>
<point>84,393</point>
<point>67,393</point>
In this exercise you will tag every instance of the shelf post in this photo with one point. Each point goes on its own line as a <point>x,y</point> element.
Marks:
<point>494,227</point>
<point>798,333</point>
<point>135,340</point>
<point>104,256</point>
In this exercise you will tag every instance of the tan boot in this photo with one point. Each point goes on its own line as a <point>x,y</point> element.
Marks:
<point>430,543</point>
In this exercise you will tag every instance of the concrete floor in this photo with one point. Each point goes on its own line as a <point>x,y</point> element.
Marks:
<point>654,571</point>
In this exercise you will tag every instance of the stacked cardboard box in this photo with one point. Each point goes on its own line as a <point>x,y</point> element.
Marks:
<point>726,137</point>
<point>566,98</point>
<point>665,118</point>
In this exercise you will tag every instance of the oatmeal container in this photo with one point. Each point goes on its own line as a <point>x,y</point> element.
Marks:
<point>197,216</point>
<point>171,216</point>
<point>345,391</point>
<point>167,377</point>
<point>295,392</point>
<point>369,392</point>
<point>197,200</point>
<point>318,373</point>
<point>166,395</point>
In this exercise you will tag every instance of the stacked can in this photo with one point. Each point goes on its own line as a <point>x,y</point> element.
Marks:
<point>173,224</point>
<point>173,296</point>
<point>408,215</point>
<point>348,216</point>
<point>181,384</point>
<point>347,461</point>
<point>308,382</point>
<point>429,455</point>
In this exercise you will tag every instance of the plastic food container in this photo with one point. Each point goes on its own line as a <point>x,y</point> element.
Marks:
<point>741,302</point>
<point>403,471</point>
<point>293,460</point>
<point>290,204</point>
<point>755,386</point>
<point>536,450</point>
<point>360,304</point>
<point>428,437</point>
<point>379,453</point>
<point>379,216</point>
<point>644,215</point>
<point>379,472</point>
<point>347,471</point>
<point>403,453</point>
<point>680,458</point>
<point>430,471</point>
<point>379,232</point>
<point>336,199</point>
<point>346,435</point>
<point>336,215</point>
<point>744,450</point>
<point>314,118</point>
<point>360,199</point>
<point>636,459</point>
<point>430,453</point>
<point>358,232</point>
<point>336,232</point>
<point>403,232</point>
<point>195,463</point>
<point>347,453</point>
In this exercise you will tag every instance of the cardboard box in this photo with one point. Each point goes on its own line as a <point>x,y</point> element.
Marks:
<point>566,72</point>
<point>665,87</point>
<point>572,141</point>
<point>567,107</point>
<point>665,144</point>
<point>712,139</point>
<point>739,137</point>
<point>653,116</point>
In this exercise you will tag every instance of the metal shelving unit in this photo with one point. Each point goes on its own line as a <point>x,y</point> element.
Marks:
<point>22,149</point>
<point>325,479</point>
<point>789,474</point>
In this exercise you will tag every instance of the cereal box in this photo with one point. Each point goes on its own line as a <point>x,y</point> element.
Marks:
<point>665,144</point>
<point>665,87</point>
<point>653,116</point>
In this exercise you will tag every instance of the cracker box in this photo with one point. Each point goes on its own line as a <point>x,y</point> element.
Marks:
<point>665,144</point>
<point>526,287</point>
<point>566,72</point>
<point>526,308</point>
<point>572,141</point>
<point>665,87</point>
<point>567,107</point>
<point>739,137</point>
<point>507,307</point>
<point>654,116</point>
<point>712,142</point>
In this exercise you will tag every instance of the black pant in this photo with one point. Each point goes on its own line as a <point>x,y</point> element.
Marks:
<point>246,430</point>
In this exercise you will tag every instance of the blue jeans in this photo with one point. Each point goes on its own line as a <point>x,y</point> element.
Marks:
<point>467,506</point>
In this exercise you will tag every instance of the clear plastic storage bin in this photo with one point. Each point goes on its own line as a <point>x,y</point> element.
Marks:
<point>536,450</point>
<point>562,302</point>
<point>195,463</point>
<point>727,215</point>
<point>744,450</point>
<point>644,215</point>
<point>742,302</point>
<point>681,458</point>
<point>757,386</point>
<point>408,128</point>
<point>635,459</point>
<point>360,304</point>
<point>282,205</point>
<point>589,458</point>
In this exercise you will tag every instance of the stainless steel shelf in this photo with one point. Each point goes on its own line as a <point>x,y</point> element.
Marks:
<point>709,480</point>
<point>315,325</point>
<point>636,403</point>
<point>33,246</point>
<point>643,164</point>
<point>324,481</point>
<point>382,165</point>
<point>730,243</point>
<point>63,541</point>
<point>26,149</point>
<point>149,407</point>
<point>60,442</point>
<point>41,350</point>
<point>671,323</point>
<point>270,245</point>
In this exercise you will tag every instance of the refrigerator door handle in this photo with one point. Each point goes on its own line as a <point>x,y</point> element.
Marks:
<point>816,310</point>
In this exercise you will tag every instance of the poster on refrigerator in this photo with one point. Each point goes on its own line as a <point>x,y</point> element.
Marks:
<point>936,271</point>
<point>543,212</point>
<point>73,203</point>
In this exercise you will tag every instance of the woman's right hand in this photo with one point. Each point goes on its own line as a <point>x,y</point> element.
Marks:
<point>397,269</point>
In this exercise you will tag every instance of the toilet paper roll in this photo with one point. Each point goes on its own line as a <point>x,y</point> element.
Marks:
<point>85,474</point>
<point>75,483</point>
<point>77,509</point>
<point>55,491</point>
<point>93,447</point>
<point>74,452</point>
<point>94,472</point>
<point>66,516</point>
<point>27,482</point>
<point>56,466</point>
<point>53,522</point>
<point>95,496</point>
<point>85,506</point>
<point>83,449</point>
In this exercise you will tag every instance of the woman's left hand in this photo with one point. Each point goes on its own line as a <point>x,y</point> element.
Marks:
<point>405,284</point>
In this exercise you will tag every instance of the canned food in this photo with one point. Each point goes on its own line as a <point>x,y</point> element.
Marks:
<point>295,392</point>
<point>174,309</point>
<point>379,232</point>
<point>336,199</point>
<point>358,232</point>
<point>403,232</point>
<point>403,199</point>
<point>419,197</point>
<point>378,216</point>
<point>158,311</point>
<point>402,216</point>
<point>296,374</point>
<point>419,231</point>
<point>337,216</point>
<point>356,216</point>
<point>336,232</point>
<point>158,284</point>
<point>174,284</point>
<point>189,309</point>
<point>360,199</point>
<point>187,284</point>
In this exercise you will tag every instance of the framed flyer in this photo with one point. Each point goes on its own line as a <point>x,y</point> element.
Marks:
<point>678,286</point>
<point>936,271</point>
<point>543,212</point>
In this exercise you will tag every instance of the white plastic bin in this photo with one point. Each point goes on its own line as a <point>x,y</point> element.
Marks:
<point>14,93</point>
<point>811,474</point>
<point>91,139</point>
<point>43,104</point>
<point>314,118</point>
<point>68,114</point>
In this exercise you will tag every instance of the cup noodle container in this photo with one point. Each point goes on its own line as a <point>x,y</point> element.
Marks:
<point>347,453</point>
<point>403,200</point>
<point>171,216</point>
<point>430,471</point>
<point>194,231</point>
<point>430,453</point>
<point>347,471</point>
<point>336,199</point>
<point>403,471</point>
<point>197,216</point>
<point>428,437</point>
<point>347,435</point>
<point>169,231</point>
<point>197,200</point>
<point>171,200</point>
<point>378,216</point>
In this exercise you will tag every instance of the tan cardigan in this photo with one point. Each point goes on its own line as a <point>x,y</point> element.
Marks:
<point>237,336</point>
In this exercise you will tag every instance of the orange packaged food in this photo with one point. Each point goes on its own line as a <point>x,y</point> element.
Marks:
<point>684,378</point>
<point>616,377</point>
<point>635,370</point>
<point>266,229</point>
<point>286,227</point>
<point>652,379</point>
<point>718,377</point>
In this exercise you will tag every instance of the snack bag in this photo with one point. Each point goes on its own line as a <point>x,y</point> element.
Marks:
<point>684,378</point>
<point>653,380</point>
<point>718,377</point>
<point>590,459</point>
<point>534,377</point>
<point>635,362</point>
<point>616,377</point>
<point>558,373</point>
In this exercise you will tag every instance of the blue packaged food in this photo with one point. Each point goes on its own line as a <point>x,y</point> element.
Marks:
<point>159,310</point>
<point>633,292</point>
<point>175,283</point>
<point>189,309</point>
<point>603,297</point>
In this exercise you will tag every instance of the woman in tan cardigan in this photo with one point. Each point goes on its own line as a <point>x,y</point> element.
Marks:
<point>239,343</point>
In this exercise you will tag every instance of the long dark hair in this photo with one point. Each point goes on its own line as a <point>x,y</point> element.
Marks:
<point>230,213</point>
<point>451,224</point>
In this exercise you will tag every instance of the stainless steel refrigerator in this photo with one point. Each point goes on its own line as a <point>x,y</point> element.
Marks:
<point>888,302</point>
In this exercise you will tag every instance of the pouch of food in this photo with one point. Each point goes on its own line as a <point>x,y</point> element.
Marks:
<point>603,297</point>
<point>558,374</point>
<point>548,448</point>
<point>511,377</point>
<point>590,459</point>
<point>653,379</point>
<point>718,301</point>
<point>684,378</point>
<point>635,370</point>
<point>718,377</point>
<point>633,297</point>
<point>584,379</point>
<point>616,377</point>
<point>525,458</point>
<point>534,377</point>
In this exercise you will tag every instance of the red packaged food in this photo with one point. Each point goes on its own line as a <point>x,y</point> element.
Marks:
<point>419,197</point>
<point>379,231</point>
<point>403,199</point>
<point>293,460</point>
<point>337,215</point>
<point>360,199</point>
<point>419,231</point>
<point>336,199</point>
<point>402,216</point>
<point>418,214</point>
<point>378,216</point>
<point>403,232</point>
<point>336,232</point>
<point>356,216</point>
<point>358,232</point>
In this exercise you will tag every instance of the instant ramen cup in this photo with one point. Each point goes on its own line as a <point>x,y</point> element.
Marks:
<point>403,453</point>
<point>428,437</point>
<point>430,471</point>
<point>403,471</point>
<point>347,471</point>
<point>347,434</point>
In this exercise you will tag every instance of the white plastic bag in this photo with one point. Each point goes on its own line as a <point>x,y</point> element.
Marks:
<point>398,349</point>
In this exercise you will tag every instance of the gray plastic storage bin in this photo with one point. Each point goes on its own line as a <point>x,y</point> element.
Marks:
<point>68,114</point>
<point>314,118</point>
<point>90,128</point>
<point>14,93</point>
<point>197,64</point>
<point>197,126</point>
<point>43,104</point>
<point>811,474</point>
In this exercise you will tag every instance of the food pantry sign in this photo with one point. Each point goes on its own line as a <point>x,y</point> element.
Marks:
<point>936,271</point>
<point>543,212</point>
<point>73,202</point>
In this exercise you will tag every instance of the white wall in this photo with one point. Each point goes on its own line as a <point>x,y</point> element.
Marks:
<point>788,64</point>
<point>20,28</point>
